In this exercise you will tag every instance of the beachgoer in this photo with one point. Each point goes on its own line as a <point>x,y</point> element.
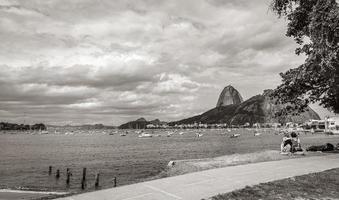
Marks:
<point>312,131</point>
<point>286,144</point>
<point>295,143</point>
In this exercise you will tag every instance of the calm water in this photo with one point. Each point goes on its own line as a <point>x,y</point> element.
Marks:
<point>24,159</point>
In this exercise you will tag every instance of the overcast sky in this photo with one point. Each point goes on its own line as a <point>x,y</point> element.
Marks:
<point>104,61</point>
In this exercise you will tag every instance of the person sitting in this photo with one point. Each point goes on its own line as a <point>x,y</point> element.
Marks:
<point>286,144</point>
<point>296,146</point>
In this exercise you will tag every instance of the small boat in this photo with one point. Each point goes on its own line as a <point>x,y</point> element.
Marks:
<point>113,132</point>
<point>199,135</point>
<point>124,134</point>
<point>43,132</point>
<point>169,133</point>
<point>256,133</point>
<point>181,133</point>
<point>145,135</point>
<point>235,135</point>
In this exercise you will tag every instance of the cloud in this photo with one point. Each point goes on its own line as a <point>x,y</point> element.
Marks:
<point>175,83</point>
<point>113,61</point>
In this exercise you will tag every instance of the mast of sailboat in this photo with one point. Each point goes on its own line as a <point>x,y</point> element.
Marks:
<point>24,118</point>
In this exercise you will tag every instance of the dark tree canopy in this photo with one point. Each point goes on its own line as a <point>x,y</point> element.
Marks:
<point>314,25</point>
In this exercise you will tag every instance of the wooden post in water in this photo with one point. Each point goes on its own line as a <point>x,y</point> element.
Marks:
<point>69,174</point>
<point>97,177</point>
<point>115,182</point>
<point>50,170</point>
<point>83,181</point>
<point>57,175</point>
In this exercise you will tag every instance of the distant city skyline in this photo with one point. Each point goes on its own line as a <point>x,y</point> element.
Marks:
<point>86,62</point>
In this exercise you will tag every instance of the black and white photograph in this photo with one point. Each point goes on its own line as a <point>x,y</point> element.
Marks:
<point>169,99</point>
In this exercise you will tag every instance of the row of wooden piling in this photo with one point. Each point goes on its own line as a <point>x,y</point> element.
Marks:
<point>83,180</point>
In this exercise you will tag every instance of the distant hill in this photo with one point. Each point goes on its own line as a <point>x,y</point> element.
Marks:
<point>13,126</point>
<point>140,123</point>
<point>258,109</point>
<point>83,126</point>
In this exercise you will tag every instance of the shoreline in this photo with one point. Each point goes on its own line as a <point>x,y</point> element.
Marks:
<point>32,192</point>
<point>10,194</point>
<point>180,167</point>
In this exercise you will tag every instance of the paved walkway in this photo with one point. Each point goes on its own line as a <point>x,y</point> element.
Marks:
<point>208,183</point>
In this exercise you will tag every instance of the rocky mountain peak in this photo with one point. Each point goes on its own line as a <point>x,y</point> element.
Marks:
<point>229,96</point>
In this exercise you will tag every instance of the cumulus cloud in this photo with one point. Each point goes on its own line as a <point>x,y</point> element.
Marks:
<point>112,61</point>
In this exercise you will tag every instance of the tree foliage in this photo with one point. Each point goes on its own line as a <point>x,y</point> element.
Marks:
<point>314,25</point>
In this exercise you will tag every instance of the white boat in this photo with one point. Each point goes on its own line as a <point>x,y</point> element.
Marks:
<point>43,132</point>
<point>145,135</point>
<point>169,134</point>
<point>235,135</point>
<point>256,133</point>
<point>199,135</point>
<point>113,132</point>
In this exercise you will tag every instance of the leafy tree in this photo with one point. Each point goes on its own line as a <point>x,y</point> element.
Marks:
<point>314,25</point>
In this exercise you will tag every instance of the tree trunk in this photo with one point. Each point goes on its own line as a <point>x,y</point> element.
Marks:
<point>336,89</point>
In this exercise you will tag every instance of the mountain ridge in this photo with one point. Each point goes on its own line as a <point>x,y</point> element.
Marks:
<point>232,110</point>
<point>260,108</point>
